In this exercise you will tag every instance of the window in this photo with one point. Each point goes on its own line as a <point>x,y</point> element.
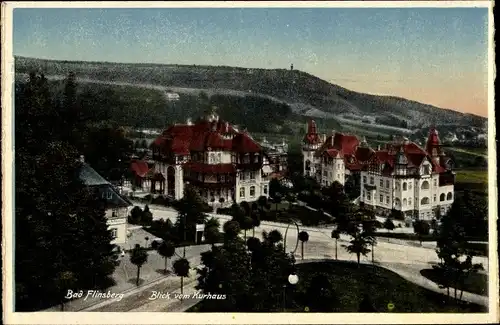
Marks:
<point>242,176</point>
<point>405,186</point>
<point>424,201</point>
<point>371,181</point>
<point>246,159</point>
<point>435,182</point>
<point>325,173</point>
<point>449,196</point>
<point>109,195</point>
<point>441,197</point>
<point>426,170</point>
<point>223,178</point>
<point>387,200</point>
<point>265,189</point>
<point>364,179</point>
<point>387,184</point>
<point>256,158</point>
<point>233,158</point>
<point>369,197</point>
<point>381,198</point>
<point>338,176</point>
<point>409,201</point>
<point>252,175</point>
<point>252,191</point>
<point>425,185</point>
<point>434,198</point>
<point>381,183</point>
<point>242,192</point>
<point>114,233</point>
<point>219,157</point>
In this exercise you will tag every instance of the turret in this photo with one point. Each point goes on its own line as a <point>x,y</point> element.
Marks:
<point>433,146</point>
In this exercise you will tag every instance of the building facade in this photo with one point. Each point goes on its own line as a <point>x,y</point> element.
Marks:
<point>402,175</point>
<point>224,165</point>
<point>333,158</point>
<point>275,158</point>
<point>117,206</point>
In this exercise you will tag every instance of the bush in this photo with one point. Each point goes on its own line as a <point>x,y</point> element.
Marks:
<point>388,224</point>
<point>421,227</point>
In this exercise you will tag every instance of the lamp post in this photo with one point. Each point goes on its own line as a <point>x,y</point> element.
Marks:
<point>293,279</point>
<point>284,238</point>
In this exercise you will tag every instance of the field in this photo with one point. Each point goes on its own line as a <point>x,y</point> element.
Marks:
<point>478,176</point>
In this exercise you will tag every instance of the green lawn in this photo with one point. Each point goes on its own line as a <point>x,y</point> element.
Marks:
<point>471,151</point>
<point>346,284</point>
<point>476,283</point>
<point>472,176</point>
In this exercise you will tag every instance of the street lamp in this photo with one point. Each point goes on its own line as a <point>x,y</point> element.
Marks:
<point>293,279</point>
<point>284,238</point>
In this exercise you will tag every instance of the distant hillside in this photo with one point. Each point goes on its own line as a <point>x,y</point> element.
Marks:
<point>306,94</point>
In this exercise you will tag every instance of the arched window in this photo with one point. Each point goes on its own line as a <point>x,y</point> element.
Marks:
<point>242,192</point>
<point>404,201</point>
<point>405,187</point>
<point>424,201</point>
<point>425,185</point>
<point>449,196</point>
<point>252,191</point>
<point>409,201</point>
<point>409,186</point>
<point>441,197</point>
<point>397,202</point>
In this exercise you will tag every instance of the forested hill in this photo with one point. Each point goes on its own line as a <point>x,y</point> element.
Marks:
<point>305,93</point>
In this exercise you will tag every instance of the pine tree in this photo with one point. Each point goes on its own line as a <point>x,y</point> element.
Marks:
<point>60,225</point>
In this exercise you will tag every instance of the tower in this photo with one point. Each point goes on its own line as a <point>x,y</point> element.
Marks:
<point>433,145</point>
<point>310,143</point>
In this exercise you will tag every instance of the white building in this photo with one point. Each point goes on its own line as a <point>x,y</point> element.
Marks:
<point>334,158</point>
<point>117,206</point>
<point>405,177</point>
<point>401,176</point>
<point>222,163</point>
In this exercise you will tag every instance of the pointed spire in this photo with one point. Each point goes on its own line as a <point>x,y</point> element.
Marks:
<point>311,127</point>
<point>364,143</point>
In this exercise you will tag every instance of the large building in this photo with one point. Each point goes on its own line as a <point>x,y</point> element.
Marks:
<point>275,158</point>
<point>402,175</point>
<point>116,205</point>
<point>333,158</point>
<point>224,164</point>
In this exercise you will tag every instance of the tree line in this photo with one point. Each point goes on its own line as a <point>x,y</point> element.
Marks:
<point>62,240</point>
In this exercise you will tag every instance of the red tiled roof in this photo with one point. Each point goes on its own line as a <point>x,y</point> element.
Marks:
<point>139,167</point>
<point>181,139</point>
<point>207,168</point>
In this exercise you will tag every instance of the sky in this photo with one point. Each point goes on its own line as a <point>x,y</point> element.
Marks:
<point>436,56</point>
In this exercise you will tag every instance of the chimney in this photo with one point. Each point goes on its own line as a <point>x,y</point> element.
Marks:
<point>227,127</point>
<point>82,158</point>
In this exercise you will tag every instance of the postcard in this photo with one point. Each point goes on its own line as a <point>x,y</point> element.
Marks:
<point>249,162</point>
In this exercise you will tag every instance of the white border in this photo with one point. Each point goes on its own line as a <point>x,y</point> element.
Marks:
<point>231,318</point>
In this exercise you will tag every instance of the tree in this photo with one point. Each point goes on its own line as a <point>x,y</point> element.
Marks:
<point>388,224</point>
<point>138,257</point>
<point>262,202</point>
<point>237,212</point>
<point>181,268</point>
<point>253,244</point>
<point>136,215</point>
<point>61,225</point>
<point>277,200</point>
<point>255,222</point>
<point>231,229</point>
<point>274,187</point>
<point>303,237</point>
<point>336,236</point>
<point>147,216</point>
<point>358,245</point>
<point>421,228</point>
<point>452,249</point>
<point>190,213</point>
<point>166,250</point>
<point>246,224</point>
<point>397,215</point>
<point>273,237</point>
<point>212,231</point>
<point>64,281</point>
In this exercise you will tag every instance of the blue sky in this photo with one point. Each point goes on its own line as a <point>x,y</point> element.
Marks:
<point>433,55</point>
